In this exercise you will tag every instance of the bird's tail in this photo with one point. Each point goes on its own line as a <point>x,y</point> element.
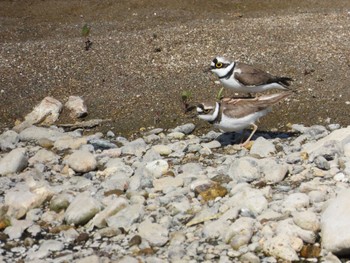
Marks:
<point>284,81</point>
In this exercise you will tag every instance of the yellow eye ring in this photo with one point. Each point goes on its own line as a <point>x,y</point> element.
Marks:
<point>218,65</point>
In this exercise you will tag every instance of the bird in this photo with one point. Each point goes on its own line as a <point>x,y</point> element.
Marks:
<point>245,78</point>
<point>230,114</point>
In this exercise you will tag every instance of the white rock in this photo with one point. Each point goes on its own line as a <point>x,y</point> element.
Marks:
<point>34,133</point>
<point>45,157</point>
<point>46,247</point>
<point>17,227</point>
<point>46,112</point>
<point>176,136</point>
<point>212,144</point>
<point>168,181</point>
<point>306,220</point>
<point>245,169</point>
<point>334,220</point>
<point>240,232</point>
<point>185,128</point>
<point>69,142</point>
<point>126,217</point>
<point>162,149</point>
<point>8,140</point>
<point>296,201</point>
<point>280,247</point>
<point>77,107</point>
<point>346,149</point>
<point>154,233</point>
<point>112,208</point>
<point>156,168</point>
<point>272,171</point>
<point>82,161</point>
<point>137,147</point>
<point>82,209</point>
<point>14,162</point>
<point>23,197</point>
<point>262,148</point>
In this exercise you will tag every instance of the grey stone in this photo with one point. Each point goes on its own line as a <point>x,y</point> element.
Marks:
<point>137,147</point>
<point>82,161</point>
<point>272,171</point>
<point>186,128</point>
<point>126,217</point>
<point>334,220</point>
<point>240,232</point>
<point>245,169</point>
<point>83,208</point>
<point>44,156</point>
<point>17,227</point>
<point>262,148</point>
<point>8,140</point>
<point>154,233</point>
<point>307,220</point>
<point>34,133</point>
<point>76,106</point>
<point>14,162</point>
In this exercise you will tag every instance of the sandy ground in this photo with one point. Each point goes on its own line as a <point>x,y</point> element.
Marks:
<point>146,53</point>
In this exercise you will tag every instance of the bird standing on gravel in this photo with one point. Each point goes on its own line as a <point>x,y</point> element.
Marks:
<point>231,114</point>
<point>245,78</point>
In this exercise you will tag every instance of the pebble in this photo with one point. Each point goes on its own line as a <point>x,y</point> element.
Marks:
<point>173,196</point>
<point>14,162</point>
<point>76,106</point>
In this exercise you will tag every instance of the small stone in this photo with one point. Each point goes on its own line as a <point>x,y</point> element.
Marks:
<point>163,183</point>
<point>322,163</point>
<point>157,168</point>
<point>186,128</point>
<point>82,209</point>
<point>60,202</point>
<point>273,172</point>
<point>262,148</point>
<point>245,169</point>
<point>44,156</point>
<point>77,107</point>
<point>82,161</point>
<point>14,162</point>
<point>296,201</point>
<point>154,233</point>
<point>8,140</point>
<point>306,220</point>
<point>310,251</point>
<point>213,192</point>
<point>137,147</point>
<point>240,232</point>
<point>176,135</point>
<point>162,149</point>
<point>126,217</point>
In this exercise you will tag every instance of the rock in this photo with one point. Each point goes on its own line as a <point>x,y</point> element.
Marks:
<point>8,140</point>
<point>280,247</point>
<point>82,209</point>
<point>272,171</point>
<point>136,147</point>
<point>163,183</point>
<point>89,259</point>
<point>114,206</point>
<point>240,232</point>
<point>212,144</point>
<point>82,161</point>
<point>162,149</point>
<point>156,168</point>
<point>322,163</point>
<point>154,233</point>
<point>245,197</point>
<point>44,156</point>
<point>330,145</point>
<point>245,169</point>
<point>176,136</point>
<point>186,128</point>
<point>17,227</point>
<point>23,197</point>
<point>14,162</point>
<point>76,106</point>
<point>262,148</point>
<point>60,202</point>
<point>46,247</point>
<point>296,201</point>
<point>334,219</point>
<point>34,133</point>
<point>306,220</point>
<point>126,217</point>
<point>47,112</point>
<point>68,142</point>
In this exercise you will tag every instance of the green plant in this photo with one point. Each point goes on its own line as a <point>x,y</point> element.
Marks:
<point>85,32</point>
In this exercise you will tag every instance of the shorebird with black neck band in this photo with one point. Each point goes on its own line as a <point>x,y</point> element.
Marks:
<point>231,114</point>
<point>245,78</point>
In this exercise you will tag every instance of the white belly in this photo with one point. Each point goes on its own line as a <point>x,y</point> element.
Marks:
<point>229,125</point>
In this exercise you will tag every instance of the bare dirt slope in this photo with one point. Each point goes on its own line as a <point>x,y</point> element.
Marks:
<point>146,53</point>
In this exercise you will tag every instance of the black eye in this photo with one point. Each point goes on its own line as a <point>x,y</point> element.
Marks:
<point>218,65</point>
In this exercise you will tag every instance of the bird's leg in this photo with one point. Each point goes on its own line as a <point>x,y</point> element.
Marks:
<point>250,136</point>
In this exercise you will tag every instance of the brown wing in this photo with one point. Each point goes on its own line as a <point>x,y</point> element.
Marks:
<point>238,108</point>
<point>251,76</point>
